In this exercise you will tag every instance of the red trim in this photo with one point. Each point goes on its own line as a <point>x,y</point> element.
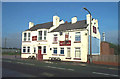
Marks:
<point>67,58</point>
<point>61,55</point>
<point>77,58</point>
<point>77,42</point>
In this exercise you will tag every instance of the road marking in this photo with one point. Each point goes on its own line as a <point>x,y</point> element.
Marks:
<point>105,74</point>
<point>60,68</point>
<point>47,74</point>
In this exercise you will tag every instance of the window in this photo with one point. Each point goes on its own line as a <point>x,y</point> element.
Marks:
<point>55,38</point>
<point>55,50</point>
<point>25,36</point>
<point>34,49</point>
<point>40,35</point>
<point>28,49</point>
<point>77,36</point>
<point>68,52</point>
<point>44,49</point>
<point>45,34</point>
<point>24,49</point>
<point>28,36</point>
<point>77,52</point>
<point>66,36</point>
<point>61,50</point>
<point>94,30</point>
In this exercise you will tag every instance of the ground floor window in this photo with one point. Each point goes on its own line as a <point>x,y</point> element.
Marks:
<point>68,52</point>
<point>61,50</point>
<point>24,49</point>
<point>55,50</point>
<point>77,52</point>
<point>28,49</point>
<point>34,49</point>
<point>44,49</point>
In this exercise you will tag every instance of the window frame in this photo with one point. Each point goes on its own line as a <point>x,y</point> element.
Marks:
<point>28,49</point>
<point>55,38</point>
<point>29,36</point>
<point>44,52</point>
<point>62,49</point>
<point>54,48</point>
<point>45,34</point>
<point>24,48</point>
<point>77,36</point>
<point>25,37</point>
<point>40,35</point>
<point>79,52</point>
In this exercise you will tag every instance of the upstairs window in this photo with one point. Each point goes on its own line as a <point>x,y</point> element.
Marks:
<point>77,36</point>
<point>61,50</point>
<point>94,30</point>
<point>25,36</point>
<point>44,49</point>
<point>45,34</point>
<point>55,50</point>
<point>55,38</point>
<point>28,49</point>
<point>24,49</point>
<point>28,36</point>
<point>40,35</point>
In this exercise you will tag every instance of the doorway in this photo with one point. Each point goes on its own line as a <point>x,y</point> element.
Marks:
<point>40,56</point>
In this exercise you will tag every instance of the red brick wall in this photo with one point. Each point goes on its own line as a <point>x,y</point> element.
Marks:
<point>105,49</point>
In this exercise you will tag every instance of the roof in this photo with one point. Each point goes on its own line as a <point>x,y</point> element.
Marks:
<point>41,26</point>
<point>69,26</point>
<point>66,26</point>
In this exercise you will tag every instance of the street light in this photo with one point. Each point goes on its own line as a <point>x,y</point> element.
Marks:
<point>90,58</point>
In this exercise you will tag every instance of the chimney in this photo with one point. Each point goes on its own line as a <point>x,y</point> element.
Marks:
<point>103,36</point>
<point>88,18</point>
<point>74,19</point>
<point>66,22</point>
<point>31,24</point>
<point>56,20</point>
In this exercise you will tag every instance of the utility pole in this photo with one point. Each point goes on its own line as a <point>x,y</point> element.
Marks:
<point>90,58</point>
<point>5,41</point>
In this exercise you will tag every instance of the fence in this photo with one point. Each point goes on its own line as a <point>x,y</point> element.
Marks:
<point>106,59</point>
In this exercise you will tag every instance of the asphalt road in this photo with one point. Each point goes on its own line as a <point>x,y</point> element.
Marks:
<point>30,70</point>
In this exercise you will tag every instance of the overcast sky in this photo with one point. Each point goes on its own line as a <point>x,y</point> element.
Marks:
<point>16,15</point>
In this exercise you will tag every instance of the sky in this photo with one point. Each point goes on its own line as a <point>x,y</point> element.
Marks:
<point>17,15</point>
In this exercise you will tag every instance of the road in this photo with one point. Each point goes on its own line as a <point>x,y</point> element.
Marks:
<point>20,69</point>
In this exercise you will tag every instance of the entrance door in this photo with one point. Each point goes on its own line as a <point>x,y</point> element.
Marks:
<point>40,56</point>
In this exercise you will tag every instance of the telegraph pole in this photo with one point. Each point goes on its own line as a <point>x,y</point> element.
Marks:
<point>5,41</point>
<point>90,36</point>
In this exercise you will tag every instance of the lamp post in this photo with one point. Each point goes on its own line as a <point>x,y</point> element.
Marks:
<point>90,58</point>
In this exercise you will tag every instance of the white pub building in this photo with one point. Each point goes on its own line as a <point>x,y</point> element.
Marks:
<point>65,41</point>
